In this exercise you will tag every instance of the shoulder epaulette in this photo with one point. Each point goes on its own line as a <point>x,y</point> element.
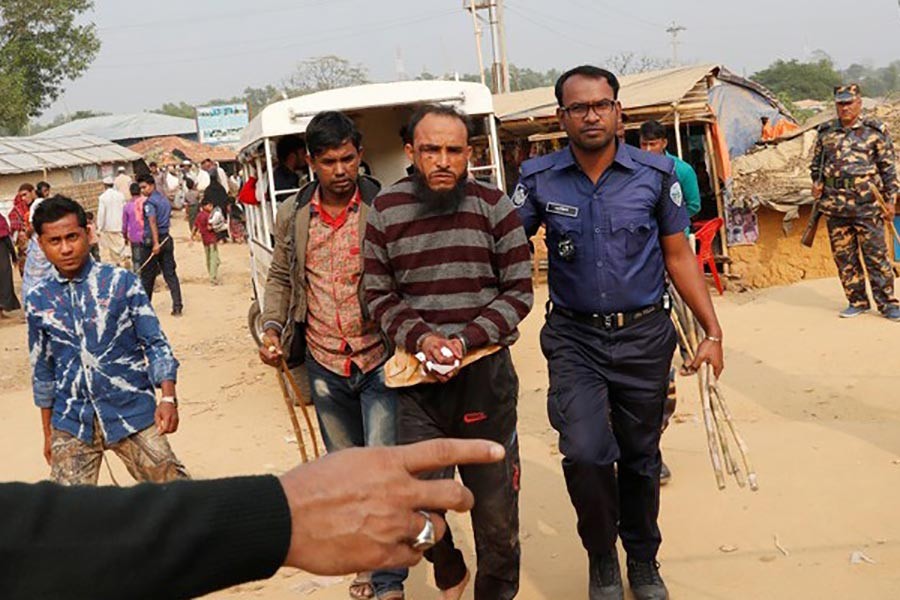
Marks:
<point>538,164</point>
<point>875,124</point>
<point>828,125</point>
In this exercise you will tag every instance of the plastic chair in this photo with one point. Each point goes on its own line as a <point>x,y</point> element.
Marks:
<point>706,231</point>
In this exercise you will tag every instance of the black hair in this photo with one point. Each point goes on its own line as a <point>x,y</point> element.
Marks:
<point>135,189</point>
<point>53,209</point>
<point>441,110</point>
<point>653,130</point>
<point>206,200</point>
<point>330,129</point>
<point>42,187</point>
<point>589,71</point>
<point>189,183</point>
<point>146,178</point>
<point>287,145</point>
<point>153,164</point>
<point>90,215</point>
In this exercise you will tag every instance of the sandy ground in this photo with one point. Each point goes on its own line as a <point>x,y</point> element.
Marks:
<point>815,397</point>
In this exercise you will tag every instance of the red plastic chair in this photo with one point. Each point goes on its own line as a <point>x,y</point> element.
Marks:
<point>705,232</point>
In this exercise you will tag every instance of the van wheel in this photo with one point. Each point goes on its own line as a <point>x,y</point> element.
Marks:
<point>254,322</point>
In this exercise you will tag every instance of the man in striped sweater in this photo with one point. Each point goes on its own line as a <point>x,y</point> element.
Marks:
<point>447,272</point>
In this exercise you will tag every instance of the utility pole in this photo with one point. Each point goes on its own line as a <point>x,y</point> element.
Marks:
<point>674,30</point>
<point>477,26</point>
<point>499,66</point>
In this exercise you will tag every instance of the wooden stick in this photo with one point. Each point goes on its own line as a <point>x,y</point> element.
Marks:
<point>682,335</point>
<point>879,197</point>
<point>730,464</point>
<point>151,257</point>
<point>299,395</point>
<point>293,415</point>
<point>711,441</point>
<point>718,410</point>
<point>742,445</point>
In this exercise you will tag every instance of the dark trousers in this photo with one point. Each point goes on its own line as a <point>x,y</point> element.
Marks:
<point>165,262</point>
<point>607,390</point>
<point>480,402</point>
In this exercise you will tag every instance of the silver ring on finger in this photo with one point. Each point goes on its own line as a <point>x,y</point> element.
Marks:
<point>425,540</point>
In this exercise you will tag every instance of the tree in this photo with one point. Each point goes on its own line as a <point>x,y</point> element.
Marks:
<point>629,63</point>
<point>799,80</point>
<point>326,73</point>
<point>41,46</point>
<point>181,109</point>
<point>67,118</point>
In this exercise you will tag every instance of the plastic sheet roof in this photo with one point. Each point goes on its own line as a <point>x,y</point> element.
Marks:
<point>32,154</point>
<point>125,127</point>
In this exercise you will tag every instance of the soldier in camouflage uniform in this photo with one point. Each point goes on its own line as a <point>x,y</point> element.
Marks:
<point>852,155</point>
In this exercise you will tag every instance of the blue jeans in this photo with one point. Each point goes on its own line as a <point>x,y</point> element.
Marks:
<point>356,411</point>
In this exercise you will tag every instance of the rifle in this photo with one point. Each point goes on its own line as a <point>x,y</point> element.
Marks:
<point>809,234</point>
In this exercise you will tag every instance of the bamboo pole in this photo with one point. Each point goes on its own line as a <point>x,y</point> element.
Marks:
<point>299,395</point>
<point>711,440</point>
<point>742,445</point>
<point>293,415</point>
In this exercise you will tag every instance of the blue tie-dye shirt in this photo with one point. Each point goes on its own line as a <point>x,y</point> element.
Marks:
<point>97,351</point>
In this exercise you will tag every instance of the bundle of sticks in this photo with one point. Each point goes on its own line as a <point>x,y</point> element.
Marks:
<point>288,385</point>
<point>717,417</point>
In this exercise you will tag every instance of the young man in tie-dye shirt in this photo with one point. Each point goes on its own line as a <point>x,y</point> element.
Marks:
<point>97,355</point>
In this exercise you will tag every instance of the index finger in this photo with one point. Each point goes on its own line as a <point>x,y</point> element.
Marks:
<point>437,454</point>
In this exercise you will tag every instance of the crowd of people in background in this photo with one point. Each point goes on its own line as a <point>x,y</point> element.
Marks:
<point>130,226</point>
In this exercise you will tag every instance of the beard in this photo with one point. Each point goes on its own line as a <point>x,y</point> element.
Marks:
<point>445,198</point>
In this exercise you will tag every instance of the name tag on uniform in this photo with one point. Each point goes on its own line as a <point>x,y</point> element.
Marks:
<point>564,210</point>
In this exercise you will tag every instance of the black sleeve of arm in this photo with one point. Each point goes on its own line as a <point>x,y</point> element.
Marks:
<point>177,540</point>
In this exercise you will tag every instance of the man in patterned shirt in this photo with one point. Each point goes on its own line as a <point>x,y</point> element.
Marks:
<point>97,353</point>
<point>314,290</point>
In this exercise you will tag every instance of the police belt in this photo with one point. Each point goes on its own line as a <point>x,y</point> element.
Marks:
<point>612,321</point>
<point>845,183</point>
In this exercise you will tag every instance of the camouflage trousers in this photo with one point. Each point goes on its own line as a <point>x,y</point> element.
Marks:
<point>852,237</point>
<point>146,454</point>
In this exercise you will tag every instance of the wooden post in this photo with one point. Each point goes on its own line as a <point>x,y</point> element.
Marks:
<point>678,131</point>
<point>717,189</point>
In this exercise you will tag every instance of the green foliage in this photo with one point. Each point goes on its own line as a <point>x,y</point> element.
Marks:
<point>181,109</point>
<point>41,46</point>
<point>799,81</point>
<point>874,81</point>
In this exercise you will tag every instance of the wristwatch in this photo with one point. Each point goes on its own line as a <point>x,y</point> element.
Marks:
<point>169,400</point>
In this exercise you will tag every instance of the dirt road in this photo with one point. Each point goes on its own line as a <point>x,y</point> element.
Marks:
<point>816,398</point>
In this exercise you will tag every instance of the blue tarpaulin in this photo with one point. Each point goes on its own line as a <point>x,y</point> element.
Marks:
<point>738,110</point>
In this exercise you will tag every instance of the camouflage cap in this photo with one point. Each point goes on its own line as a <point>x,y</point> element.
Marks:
<point>846,93</point>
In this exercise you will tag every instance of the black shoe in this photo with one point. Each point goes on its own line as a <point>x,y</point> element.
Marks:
<point>645,582</point>
<point>605,581</point>
<point>664,475</point>
<point>176,312</point>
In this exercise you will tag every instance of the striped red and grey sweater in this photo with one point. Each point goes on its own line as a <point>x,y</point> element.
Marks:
<point>461,270</point>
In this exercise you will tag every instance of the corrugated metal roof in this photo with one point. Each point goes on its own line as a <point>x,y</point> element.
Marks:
<point>125,127</point>
<point>637,91</point>
<point>28,155</point>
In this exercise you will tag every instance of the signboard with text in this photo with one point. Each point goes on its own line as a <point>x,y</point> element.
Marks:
<point>221,124</point>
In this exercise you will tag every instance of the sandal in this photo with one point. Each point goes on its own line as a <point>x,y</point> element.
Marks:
<point>361,587</point>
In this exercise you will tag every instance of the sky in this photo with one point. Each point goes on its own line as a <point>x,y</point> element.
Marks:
<point>203,49</point>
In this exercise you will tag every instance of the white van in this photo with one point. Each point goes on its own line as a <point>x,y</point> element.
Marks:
<point>380,111</point>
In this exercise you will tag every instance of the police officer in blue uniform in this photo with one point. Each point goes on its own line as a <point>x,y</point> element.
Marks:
<point>615,221</point>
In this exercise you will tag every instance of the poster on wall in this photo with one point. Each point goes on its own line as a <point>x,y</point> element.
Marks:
<point>222,124</point>
<point>742,226</point>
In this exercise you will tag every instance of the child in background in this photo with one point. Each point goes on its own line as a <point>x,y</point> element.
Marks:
<point>93,240</point>
<point>209,238</point>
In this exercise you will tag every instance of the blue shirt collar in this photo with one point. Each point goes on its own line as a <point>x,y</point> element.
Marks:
<point>623,157</point>
<point>81,275</point>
